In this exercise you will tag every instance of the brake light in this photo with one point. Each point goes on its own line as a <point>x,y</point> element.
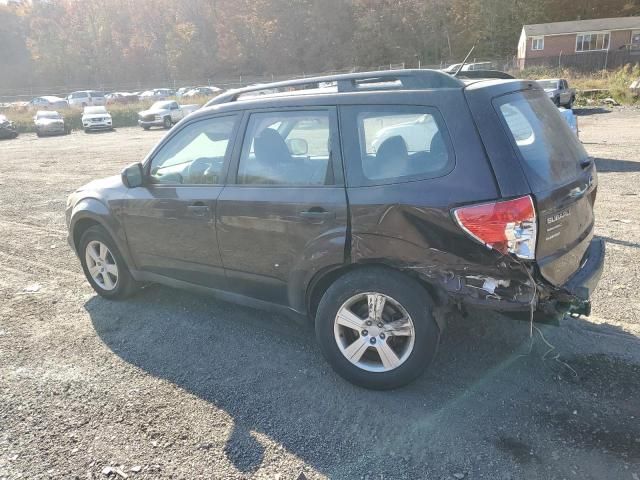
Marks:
<point>509,226</point>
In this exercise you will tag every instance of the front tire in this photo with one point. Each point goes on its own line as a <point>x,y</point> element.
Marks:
<point>104,266</point>
<point>376,329</point>
<point>167,122</point>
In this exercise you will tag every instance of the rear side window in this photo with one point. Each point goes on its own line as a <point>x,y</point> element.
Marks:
<point>399,144</point>
<point>551,153</point>
<point>287,148</point>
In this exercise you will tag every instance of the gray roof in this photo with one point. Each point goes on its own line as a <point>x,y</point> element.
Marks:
<point>574,26</point>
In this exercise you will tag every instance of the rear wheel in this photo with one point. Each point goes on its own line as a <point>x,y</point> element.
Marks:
<point>376,329</point>
<point>104,266</point>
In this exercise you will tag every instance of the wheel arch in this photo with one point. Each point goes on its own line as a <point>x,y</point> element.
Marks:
<point>92,212</point>
<point>324,279</point>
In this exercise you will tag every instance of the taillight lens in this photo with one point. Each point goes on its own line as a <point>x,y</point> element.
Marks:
<point>509,226</point>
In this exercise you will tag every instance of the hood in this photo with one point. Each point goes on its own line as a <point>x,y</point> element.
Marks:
<point>95,115</point>
<point>49,121</point>
<point>103,189</point>
<point>153,111</point>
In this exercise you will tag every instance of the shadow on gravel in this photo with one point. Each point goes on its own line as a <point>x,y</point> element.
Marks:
<point>608,165</point>
<point>583,112</point>
<point>488,395</point>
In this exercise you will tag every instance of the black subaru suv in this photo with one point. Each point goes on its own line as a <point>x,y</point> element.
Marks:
<point>372,203</point>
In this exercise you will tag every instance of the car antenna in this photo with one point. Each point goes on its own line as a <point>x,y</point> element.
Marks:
<point>465,60</point>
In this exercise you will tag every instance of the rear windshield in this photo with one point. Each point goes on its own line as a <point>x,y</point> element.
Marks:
<point>550,151</point>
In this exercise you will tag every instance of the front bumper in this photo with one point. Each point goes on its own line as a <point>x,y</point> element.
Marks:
<point>97,126</point>
<point>51,130</point>
<point>151,123</point>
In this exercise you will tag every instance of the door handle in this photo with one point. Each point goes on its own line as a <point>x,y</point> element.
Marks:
<point>317,214</point>
<point>198,209</point>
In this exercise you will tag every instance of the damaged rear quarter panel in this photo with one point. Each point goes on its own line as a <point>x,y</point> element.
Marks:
<point>425,242</point>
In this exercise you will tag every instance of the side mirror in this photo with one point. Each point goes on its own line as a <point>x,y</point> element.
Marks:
<point>132,175</point>
<point>298,146</point>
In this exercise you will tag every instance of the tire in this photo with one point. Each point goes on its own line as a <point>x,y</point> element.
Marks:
<point>118,286</point>
<point>38,134</point>
<point>167,122</point>
<point>570,104</point>
<point>413,352</point>
<point>145,128</point>
<point>556,100</point>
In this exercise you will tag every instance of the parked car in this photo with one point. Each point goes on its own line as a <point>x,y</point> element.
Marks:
<point>202,92</point>
<point>157,94</point>
<point>121,98</point>
<point>48,102</point>
<point>559,92</point>
<point>469,67</point>
<point>7,128</point>
<point>48,122</point>
<point>164,114</point>
<point>377,246</point>
<point>182,90</point>
<point>86,98</point>
<point>96,118</point>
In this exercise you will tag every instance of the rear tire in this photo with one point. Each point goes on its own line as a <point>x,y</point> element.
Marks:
<point>104,266</point>
<point>378,351</point>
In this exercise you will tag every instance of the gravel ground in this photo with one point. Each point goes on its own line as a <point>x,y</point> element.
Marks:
<point>174,385</point>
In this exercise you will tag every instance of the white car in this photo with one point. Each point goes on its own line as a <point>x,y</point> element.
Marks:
<point>417,134</point>
<point>47,102</point>
<point>96,118</point>
<point>157,94</point>
<point>49,122</point>
<point>86,98</point>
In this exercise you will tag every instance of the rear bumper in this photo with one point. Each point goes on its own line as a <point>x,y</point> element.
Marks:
<point>583,283</point>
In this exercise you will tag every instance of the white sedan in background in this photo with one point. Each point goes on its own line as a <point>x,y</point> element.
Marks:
<point>96,118</point>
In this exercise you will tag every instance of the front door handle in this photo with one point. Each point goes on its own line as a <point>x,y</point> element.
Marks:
<point>198,209</point>
<point>317,214</point>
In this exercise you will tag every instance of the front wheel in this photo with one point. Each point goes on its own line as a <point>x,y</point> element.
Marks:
<point>167,122</point>
<point>104,266</point>
<point>376,329</point>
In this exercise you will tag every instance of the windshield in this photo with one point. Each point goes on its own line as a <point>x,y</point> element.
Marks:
<point>546,84</point>
<point>79,95</point>
<point>550,151</point>
<point>92,110</point>
<point>55,115</point>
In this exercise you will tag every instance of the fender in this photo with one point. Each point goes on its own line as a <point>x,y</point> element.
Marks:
<point>93,209</point>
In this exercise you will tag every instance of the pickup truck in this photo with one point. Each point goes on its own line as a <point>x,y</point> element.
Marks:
<point>558,91</point>
<point>164,114</point>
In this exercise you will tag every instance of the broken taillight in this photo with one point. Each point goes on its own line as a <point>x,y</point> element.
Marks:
<point>509,226</point>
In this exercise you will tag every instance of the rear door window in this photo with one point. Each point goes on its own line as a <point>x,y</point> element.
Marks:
<point>399,144</point>
<point>550,152</point>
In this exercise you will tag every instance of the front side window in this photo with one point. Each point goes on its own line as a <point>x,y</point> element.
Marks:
<point>586,42</point>
<point>537,43</point>
<point>287,148</point>
<point>195,155</point>
<point>402,145</point>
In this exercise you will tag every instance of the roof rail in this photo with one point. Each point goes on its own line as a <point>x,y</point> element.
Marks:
<point>353,82</point>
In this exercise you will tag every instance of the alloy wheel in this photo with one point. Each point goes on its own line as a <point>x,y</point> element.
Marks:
<point>102,265</point>
<point>374,332</point>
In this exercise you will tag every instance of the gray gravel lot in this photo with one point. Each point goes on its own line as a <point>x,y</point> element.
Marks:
<point>184,386</point>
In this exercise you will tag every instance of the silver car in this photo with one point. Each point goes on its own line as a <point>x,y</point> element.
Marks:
<point>49,122</point>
